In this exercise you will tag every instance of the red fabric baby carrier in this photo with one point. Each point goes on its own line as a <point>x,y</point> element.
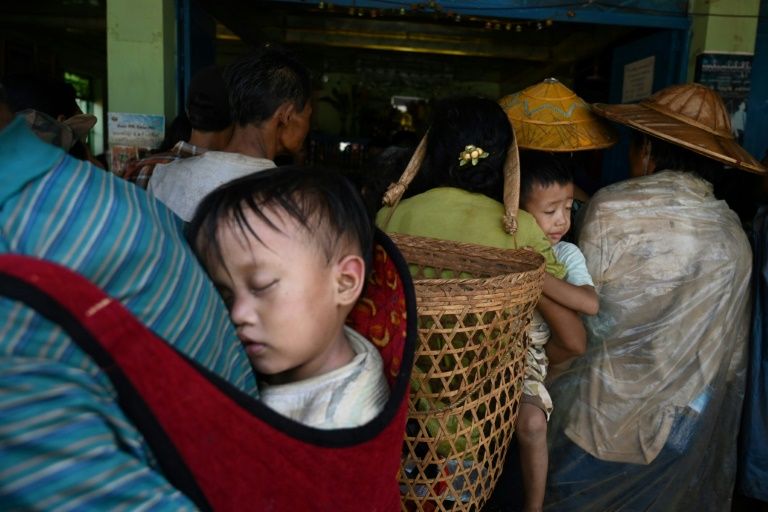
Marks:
<point>224,449</point>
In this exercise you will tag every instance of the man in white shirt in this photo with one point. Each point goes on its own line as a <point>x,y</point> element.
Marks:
<point>269,94</point>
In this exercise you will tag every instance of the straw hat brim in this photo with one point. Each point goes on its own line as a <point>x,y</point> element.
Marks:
<point>670,129</point>
<point>563,137</point>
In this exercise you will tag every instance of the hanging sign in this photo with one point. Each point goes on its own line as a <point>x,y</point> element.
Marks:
<point>638,80</point>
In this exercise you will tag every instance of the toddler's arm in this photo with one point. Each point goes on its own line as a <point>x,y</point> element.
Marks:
<point>582,299</point>
<point>568,338</point>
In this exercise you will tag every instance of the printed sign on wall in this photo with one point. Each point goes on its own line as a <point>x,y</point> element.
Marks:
<point>729,74</point>
<point>130,135</point>
<point>140,130</point>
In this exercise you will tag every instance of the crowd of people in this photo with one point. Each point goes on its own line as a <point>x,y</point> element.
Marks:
<point>635,369</point>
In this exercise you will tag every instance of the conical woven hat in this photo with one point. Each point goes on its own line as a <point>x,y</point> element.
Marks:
<point>689,115</point>
<point>549,116</point>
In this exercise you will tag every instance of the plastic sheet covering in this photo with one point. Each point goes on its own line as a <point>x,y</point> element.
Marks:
<point>753,461</point>
<point>648,418</point>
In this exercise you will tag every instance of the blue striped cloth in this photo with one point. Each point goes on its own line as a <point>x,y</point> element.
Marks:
<point>64,443</point>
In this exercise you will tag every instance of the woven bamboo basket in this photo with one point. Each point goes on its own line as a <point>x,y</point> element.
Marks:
<point>474,305</point>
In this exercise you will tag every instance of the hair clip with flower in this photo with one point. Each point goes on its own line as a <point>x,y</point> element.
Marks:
<point>472,154</point>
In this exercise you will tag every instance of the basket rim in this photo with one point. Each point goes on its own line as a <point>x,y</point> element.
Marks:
<point>533,259</point>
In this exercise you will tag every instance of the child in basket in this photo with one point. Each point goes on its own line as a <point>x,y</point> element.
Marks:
<point>546,192</point>
<point>288,249</point>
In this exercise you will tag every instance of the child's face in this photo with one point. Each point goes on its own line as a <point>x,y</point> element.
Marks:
<point>551,207</point>
<point>280,292</point>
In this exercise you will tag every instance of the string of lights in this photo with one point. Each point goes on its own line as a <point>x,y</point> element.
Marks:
<point>435,11</point>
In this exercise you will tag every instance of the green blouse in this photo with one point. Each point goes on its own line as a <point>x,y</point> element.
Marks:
<point>455,214</point>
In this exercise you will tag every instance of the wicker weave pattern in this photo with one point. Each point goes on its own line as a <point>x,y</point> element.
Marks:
<point>474,305</point>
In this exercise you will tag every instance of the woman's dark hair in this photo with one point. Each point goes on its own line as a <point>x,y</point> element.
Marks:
<point>544,168</point>
<point>457,123</point>
<point>385,170</point>
<point>262,81</point>
<point>323,202</point>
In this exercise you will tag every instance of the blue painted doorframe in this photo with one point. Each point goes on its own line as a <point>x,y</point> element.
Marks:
<point>195,45</point>
<point>196,34</point>
<point>670,44</point>
<point>670,51</point>
<point>756,129</point>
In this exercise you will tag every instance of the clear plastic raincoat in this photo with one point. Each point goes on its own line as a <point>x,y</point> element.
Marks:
<point>648,418</point>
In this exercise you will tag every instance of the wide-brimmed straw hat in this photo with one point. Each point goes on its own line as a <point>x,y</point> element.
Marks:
<point>689,115</point>
<point>548,116</point>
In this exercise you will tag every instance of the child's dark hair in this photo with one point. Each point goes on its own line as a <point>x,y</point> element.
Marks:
<point>262,81</point>
<point>543,168</point>
<point>457,123</point>
<point>323,202</point>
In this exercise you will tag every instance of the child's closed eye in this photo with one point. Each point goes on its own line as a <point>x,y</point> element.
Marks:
<point>258,288</point>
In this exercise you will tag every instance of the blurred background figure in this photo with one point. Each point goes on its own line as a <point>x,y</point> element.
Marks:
<point>206,125</point>
<point>269,98</point>
<point>55,98</point>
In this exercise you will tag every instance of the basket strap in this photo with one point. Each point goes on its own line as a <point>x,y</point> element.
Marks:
<point>511,187</point>
<point>395,191</point>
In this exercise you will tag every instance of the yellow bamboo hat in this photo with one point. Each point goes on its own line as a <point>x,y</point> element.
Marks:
<point>689,115</point>
<point>548,116</point>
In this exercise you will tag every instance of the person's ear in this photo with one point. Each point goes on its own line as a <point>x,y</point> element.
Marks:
<point>649,166</point>
<point>284,113</point>
<point>350,279</point>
